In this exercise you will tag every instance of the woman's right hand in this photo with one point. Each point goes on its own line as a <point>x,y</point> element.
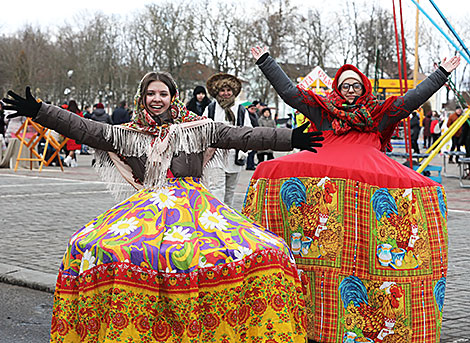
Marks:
<point>257,52</point>
<point>27,106</point>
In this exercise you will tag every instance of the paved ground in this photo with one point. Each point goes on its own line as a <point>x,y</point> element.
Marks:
<point>40,211</point>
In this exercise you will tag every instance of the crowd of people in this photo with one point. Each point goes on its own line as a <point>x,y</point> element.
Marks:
<point>336,243</point>
<point>68,155</point>
<point>433,126</point>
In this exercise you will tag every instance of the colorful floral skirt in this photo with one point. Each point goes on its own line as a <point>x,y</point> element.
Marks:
<point>368,234</point>
<point>177,265</point>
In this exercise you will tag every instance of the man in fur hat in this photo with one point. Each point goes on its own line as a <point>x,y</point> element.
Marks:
<point>223,170</point>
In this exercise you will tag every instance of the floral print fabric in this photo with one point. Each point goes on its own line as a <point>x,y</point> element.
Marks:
<point>177,265</point>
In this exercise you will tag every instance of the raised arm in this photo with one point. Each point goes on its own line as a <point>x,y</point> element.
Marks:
<point>414,98</point>
<point>291,95</point>
<point>85,131</point>
<point>264,138</point>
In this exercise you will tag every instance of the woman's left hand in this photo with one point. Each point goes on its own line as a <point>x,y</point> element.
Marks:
<point>451,64</point>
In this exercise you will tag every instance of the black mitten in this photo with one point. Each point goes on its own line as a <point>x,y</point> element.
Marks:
<point>28,106</point>
<point>306,140</point>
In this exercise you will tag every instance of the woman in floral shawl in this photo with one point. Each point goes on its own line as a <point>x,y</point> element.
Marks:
<point>368,233</point>
<point>171,263</point>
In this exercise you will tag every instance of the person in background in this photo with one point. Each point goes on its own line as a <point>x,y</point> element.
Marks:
<point>87,112</point>
<point>265,120</point>
<point>465,141</point>
<point>2,120</point>
<point>121,114</point>
<point>250,160</point>
<point>415,128</point>
<point>3,145</point>
<point>435,126</point>
<point>427,130</point>
<point>99,114</point>
<point>199,101</point>
<point>456,137</point>
<point>222,175</point>
<point>72,145</point>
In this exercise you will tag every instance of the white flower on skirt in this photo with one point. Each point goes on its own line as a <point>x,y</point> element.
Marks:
<point>213,220</point>
<point>164,197</point>
<point>241,253</point>
<point>81,233</point>
<point>124,226</point>
<point>178,234</point>
<point>269,238</point>
<point>88,261</point>
<point>203,262</point>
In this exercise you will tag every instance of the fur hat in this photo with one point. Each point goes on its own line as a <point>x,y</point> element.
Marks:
<point>198,90</point>
<point>217,81</point>
<point>349,74</point>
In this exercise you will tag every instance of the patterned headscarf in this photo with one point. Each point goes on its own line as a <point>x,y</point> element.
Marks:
<point>142,121</point>
<point>364,115</point>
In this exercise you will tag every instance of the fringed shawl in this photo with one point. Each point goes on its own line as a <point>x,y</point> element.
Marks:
<point>142,138</point>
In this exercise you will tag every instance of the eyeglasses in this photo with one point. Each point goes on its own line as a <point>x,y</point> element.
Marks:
<point>356,86</point>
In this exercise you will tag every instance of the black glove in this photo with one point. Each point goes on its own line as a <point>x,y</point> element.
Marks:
<point>28,107</point>
<point>306,140</point>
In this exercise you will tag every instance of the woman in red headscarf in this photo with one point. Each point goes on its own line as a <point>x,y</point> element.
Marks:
<point>369,233</point>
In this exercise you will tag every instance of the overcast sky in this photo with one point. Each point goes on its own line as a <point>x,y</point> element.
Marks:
<point>46,13</point>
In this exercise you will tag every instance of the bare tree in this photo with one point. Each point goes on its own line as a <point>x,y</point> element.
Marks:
<point>313,38</point>
<point>217,33</point>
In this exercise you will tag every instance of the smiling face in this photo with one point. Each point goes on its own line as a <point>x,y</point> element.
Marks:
<point>157,98</point>
<point>351,92</point>
<point>225,92</point>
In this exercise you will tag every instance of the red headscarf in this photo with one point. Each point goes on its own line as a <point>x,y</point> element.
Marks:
<point>364,115</point>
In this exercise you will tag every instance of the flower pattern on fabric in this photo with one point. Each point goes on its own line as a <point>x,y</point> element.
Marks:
<point>88,261</point>
<point>213,220</point>
<point>118,301</point>
<point>124,227</point>
<point>196,269</point>
<point>164,198</point>
<point>178,234</point>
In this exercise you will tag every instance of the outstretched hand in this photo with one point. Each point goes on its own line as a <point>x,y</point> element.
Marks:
<point>451,64</point>
<point>257,51</point>
<point>28,106</point>
<point>306,140</point>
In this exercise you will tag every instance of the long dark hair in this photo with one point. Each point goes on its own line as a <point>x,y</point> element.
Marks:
<point>73,107</point>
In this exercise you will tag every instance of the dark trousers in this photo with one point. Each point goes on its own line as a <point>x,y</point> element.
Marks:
<point>414,145</point>
<point>427,141</point>
<point>250,161</point>
<point>269,156</point>
<point>455,147</point>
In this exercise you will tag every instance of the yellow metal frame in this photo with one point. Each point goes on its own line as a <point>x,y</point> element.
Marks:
<point>443,139</point>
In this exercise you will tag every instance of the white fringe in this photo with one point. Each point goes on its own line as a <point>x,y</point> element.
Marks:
<point>190,137</point>
<point>128,142</point>
<point>107,171</point>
